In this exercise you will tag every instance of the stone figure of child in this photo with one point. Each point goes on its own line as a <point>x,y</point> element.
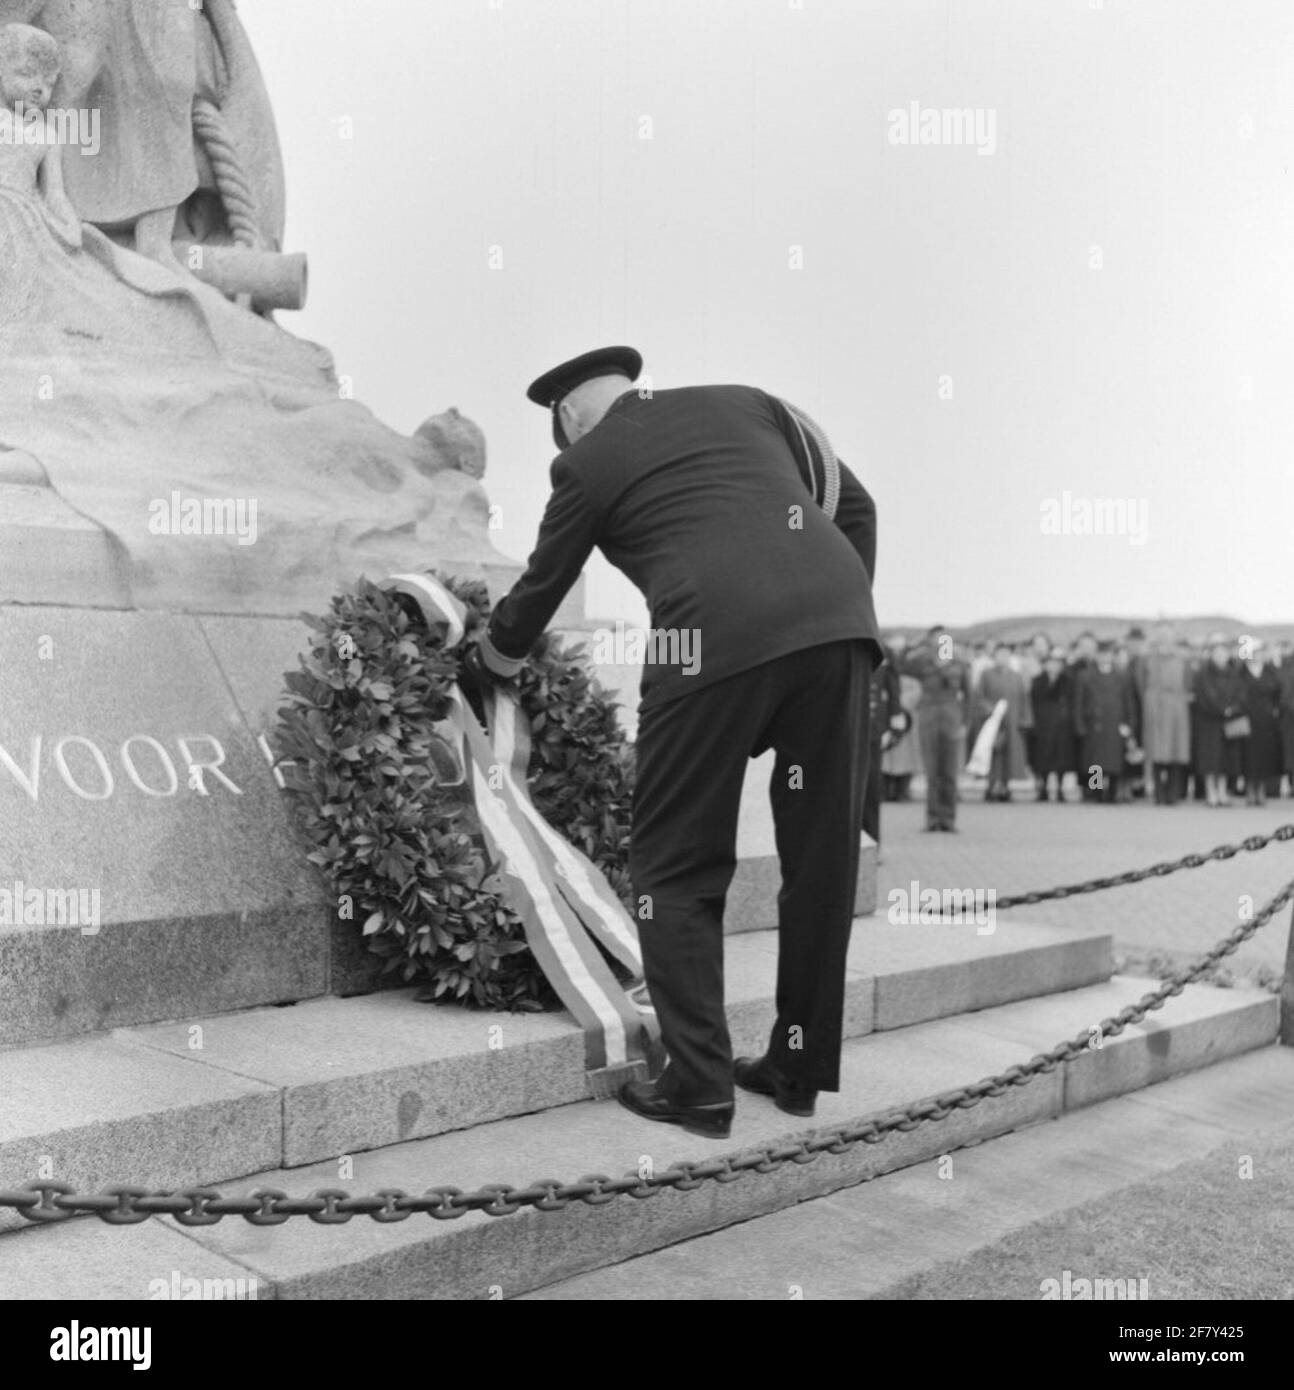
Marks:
<point>29,69</point>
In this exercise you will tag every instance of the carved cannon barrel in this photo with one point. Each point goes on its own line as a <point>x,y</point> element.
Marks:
<point>273,279</point>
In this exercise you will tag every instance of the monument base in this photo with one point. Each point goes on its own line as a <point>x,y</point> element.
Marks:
<point>149,867</point>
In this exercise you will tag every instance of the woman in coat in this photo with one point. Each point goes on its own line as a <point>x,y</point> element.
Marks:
<point>1166,716</point>
<point>1218,698</point>
<point>1103,718</point>
<point>1053,724</point>
<point>1260,755</point>
<point>1000,682</point>
<point>901,761</point>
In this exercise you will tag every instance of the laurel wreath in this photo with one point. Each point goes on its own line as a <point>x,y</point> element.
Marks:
<point>379,794</point>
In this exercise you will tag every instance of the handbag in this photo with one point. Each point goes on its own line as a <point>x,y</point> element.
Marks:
<point>1237,727</point>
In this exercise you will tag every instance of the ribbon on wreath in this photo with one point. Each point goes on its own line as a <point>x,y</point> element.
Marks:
<point>565,904</point>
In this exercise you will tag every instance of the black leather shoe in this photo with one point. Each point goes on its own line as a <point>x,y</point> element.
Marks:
<point>755,1074</point>
<point>709,1121</point>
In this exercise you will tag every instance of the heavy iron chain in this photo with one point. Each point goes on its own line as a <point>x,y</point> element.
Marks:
<point>1187,861</point>
<point>48,1202</point>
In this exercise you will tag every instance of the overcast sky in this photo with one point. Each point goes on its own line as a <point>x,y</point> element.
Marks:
<point>1100,304</point>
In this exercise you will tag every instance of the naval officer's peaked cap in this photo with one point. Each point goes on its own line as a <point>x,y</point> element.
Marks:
<point>548,390</point>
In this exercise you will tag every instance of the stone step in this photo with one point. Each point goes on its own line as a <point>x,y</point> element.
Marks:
<point>477,1256</point>
<point>895,1238</point>
<point>169,1105</point>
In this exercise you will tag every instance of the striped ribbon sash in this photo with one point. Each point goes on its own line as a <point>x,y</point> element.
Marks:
<point>564,902</point>
<point>579,881</point>
<point>566,906</point>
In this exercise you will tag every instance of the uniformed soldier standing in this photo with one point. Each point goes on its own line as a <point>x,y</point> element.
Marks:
<point>709,499</point>
<point>945,707</point>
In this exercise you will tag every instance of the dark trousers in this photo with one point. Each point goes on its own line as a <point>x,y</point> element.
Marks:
<point>811,707</point>
<point>942,745</point>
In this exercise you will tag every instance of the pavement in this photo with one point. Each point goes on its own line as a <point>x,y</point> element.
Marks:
<point>1180,1191</point>
<point>1020,845</point>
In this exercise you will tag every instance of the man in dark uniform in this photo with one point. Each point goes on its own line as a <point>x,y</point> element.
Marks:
<point>711,499</point>
<point>945,707</point>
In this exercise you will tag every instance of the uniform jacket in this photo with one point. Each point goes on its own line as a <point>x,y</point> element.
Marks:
<point>943,683</point>
<point>703,497</point>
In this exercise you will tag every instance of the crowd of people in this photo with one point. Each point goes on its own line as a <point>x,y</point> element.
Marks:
<point>1149,715</point>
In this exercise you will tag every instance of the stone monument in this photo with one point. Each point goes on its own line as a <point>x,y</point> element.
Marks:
<point>180,478</point>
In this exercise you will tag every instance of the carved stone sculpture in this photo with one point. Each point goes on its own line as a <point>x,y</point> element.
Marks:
<point>144,396</point>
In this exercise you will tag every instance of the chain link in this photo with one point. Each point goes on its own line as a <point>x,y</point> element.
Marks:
<point>45,1201</point>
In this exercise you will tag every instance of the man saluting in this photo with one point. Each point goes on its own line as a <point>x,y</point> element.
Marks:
<point>729,511</point>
